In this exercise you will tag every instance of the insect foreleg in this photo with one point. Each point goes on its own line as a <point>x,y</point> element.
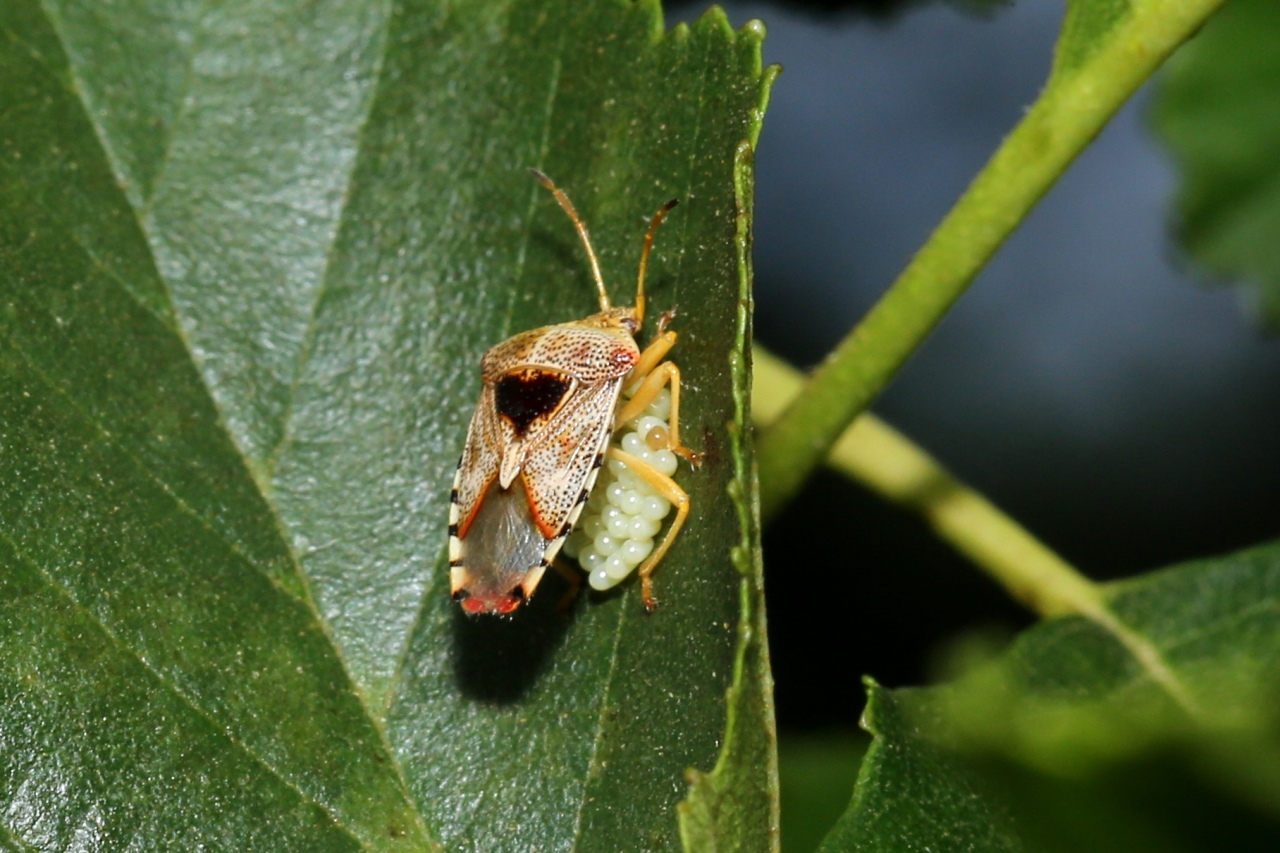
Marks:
<point>667,488</point>
<point>647,388</point>
<point>653,354</point>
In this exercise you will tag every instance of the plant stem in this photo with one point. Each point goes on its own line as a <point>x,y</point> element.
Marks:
<point>1099,64</point>
<point>891,465</point>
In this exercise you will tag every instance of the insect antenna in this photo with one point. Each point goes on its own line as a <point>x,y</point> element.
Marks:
<point>568,208</point>
<point>644,254</point>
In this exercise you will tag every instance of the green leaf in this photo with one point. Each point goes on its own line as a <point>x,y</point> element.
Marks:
<point>1216,113</point>
<point>1072,741</point>
<point>252,255</point>
<point>912,795</point>
<point>736,806</point>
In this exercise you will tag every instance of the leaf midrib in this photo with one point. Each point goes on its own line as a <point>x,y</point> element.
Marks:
<point>131,652</point>
<point>79,93</point>
<point>169,322</point>
<point>397,674</point>
<point>219,730</point>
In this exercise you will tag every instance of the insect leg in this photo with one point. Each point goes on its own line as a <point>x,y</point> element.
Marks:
<point>648,388</point>
<point>666,487</point>
<point>653,355</point>
<point>574,579</point>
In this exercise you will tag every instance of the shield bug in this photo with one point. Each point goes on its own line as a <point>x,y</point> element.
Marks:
<point>540,435</point>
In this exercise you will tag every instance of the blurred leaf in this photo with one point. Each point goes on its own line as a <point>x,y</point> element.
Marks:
<point>843,11</point>
<point>251,255</point>
<point>1216,111</point>
<point>1070,741</point>
<point>912,795</point>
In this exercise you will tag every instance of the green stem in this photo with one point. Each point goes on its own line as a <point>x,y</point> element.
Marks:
<point>887,462</point>
<point>1101,60</point>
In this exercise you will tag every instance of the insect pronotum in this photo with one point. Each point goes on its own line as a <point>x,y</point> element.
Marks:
<point>540,434</point>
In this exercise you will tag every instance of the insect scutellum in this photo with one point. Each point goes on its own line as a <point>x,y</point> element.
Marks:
<point>541,434</point>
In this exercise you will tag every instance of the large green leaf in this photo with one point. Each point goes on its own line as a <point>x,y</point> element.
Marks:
<point>251,255</point>
<point>1160,737</point>
<point>1217,113</point>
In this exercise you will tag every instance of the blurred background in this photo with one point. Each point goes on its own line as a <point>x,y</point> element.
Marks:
<point>1088,383</point>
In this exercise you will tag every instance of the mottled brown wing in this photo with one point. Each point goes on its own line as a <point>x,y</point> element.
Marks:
<point>479,464</point>
<point>560,457</point>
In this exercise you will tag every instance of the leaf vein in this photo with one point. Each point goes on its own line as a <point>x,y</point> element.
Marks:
<point>305,353</point>
<point>307,349</point>
<point>1230,622</point>
<point>71,85</point>
<point>593,763</point>
<point>171,130</point>
<point>221,729</point>
<point>1149,658</point>
<point>521,257</point>
<point>148,471</point>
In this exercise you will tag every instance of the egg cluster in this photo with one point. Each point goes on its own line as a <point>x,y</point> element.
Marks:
<point>624,513</point>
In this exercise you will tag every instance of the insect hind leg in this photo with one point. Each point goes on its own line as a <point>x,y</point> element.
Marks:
<point>679,498</point>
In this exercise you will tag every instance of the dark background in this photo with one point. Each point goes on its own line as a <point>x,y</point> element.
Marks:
<point>1120,409</point>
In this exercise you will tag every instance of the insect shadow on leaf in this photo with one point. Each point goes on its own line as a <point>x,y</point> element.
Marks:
<point>499,659</point>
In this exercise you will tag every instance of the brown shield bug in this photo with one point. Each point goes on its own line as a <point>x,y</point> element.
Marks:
<point>551,399</point>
